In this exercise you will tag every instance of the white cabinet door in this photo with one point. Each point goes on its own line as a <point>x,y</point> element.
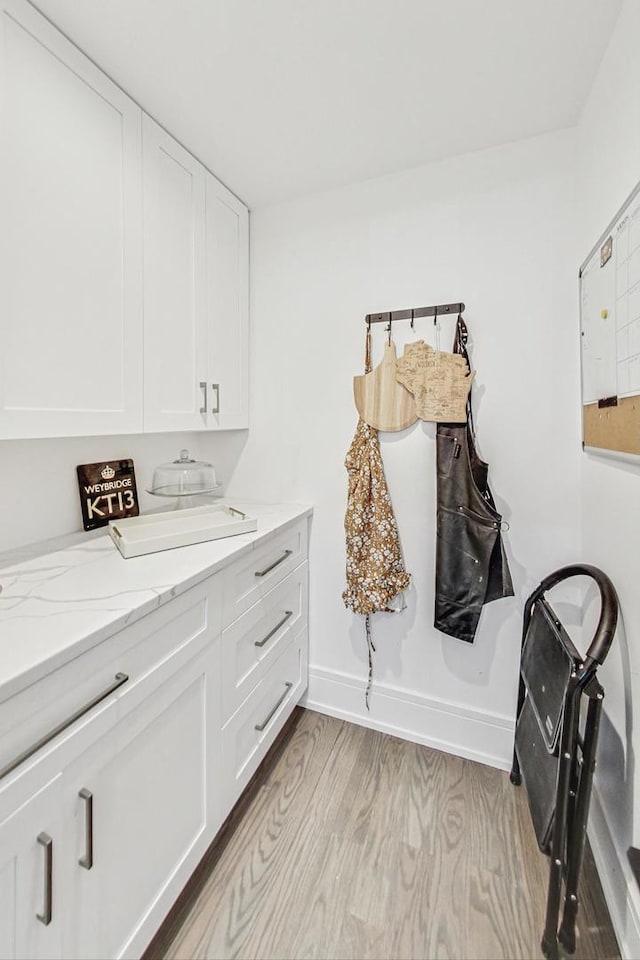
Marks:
<point>143,829</point>
<point>175,354</point>
<point>70,248</point>
<point>30,888</point>
<point>227,307</point>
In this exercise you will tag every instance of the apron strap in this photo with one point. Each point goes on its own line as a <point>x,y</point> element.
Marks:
<point>460,346</point>
<point>371,650</point>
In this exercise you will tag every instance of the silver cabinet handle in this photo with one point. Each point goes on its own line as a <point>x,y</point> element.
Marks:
<point>215,391</point>
<point>120,678</point>
<point>203,387</point>
<point>45,841</point>
<point>261,643</point>
<point>87,860</point>
<point>261,726</point>
<point>263,573</point>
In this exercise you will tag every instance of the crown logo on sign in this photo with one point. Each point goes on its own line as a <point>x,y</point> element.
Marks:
<point>108,473</point>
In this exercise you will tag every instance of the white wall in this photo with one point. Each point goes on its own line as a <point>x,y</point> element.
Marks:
<point>39,496</point>
<point>608,169</point>
<point>492,229</point>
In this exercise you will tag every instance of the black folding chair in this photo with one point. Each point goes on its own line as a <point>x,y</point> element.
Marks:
<point>559,706</point>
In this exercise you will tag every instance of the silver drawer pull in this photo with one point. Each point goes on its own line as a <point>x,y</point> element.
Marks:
<point>45,841</point>
<point>261,643</point>
<point>203,387</point>
<point>261,726</point>
<point>87,860</point>
<point>120,678</point>
<point>215,392</point>
<point>263,573</point>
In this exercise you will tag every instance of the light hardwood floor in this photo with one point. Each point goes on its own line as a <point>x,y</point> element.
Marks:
<point>353,844</point>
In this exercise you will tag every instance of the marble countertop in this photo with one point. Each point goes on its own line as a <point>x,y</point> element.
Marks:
<point>58,601</point>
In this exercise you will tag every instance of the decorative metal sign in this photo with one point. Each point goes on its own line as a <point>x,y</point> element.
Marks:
<point>107,492</point>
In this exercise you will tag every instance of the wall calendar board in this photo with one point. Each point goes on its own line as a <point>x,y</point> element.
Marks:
<point>610,336</point>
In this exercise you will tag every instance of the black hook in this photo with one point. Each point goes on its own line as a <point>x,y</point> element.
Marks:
<point>435,317</point>
<point>412,319</point>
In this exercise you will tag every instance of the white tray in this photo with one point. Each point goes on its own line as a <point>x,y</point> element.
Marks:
<point>135,536</point>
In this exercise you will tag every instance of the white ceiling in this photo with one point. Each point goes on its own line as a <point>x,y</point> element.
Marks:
<point>286,97</point>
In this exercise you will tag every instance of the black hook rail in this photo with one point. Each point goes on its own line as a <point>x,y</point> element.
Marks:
<point>435,311</point>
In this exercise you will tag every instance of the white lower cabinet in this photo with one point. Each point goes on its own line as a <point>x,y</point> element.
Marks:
<point>257,638</point>
<point>137,801</point>
<point>159,729</point>
<point>30,869</point>
<point>248,735</point>
<point>249,579</point>
<point>91,863</point>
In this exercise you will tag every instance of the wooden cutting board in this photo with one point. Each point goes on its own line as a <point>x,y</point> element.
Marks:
<point>381,401</point>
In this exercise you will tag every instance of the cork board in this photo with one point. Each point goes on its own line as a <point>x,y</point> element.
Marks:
<point>614,428</point>
<point>610,335</point>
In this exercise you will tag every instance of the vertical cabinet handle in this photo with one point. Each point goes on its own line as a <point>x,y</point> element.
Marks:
<point>46,842</point>
<point>203,387</point>
<point>87,860</point>
<point>215,393</point>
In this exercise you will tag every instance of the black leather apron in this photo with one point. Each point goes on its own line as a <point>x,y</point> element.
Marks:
<point>471,566</point>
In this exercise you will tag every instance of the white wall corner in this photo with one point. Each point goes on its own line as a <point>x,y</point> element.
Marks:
<point>453,728</point>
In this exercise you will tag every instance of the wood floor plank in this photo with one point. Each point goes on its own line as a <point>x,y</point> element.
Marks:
<point>358,939</point>
<point>427,774</point>
<point>243,874</point>
<point>493,822</point>
<point>409,927</point>
<point>318,901</point>
<point>317,853</point>
<point>500,923</point>
<point>354,844</point>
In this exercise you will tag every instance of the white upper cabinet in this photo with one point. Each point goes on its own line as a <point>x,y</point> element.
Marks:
<point>70,255</point>
<point>227,307</point>
<point>196,311</point>
<point>175,334</point>
<point>123,262</point>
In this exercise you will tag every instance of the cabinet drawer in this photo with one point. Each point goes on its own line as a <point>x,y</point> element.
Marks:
<point>255,640</point>
<point>248,735</point>
<point>253,575</point>
<point>156,645</point>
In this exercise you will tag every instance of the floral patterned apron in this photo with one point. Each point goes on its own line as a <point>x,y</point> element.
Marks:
<point>375,567</point>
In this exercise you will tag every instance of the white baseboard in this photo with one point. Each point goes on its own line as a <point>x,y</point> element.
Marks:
<point>618,883</point>
<point>451,727</point>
